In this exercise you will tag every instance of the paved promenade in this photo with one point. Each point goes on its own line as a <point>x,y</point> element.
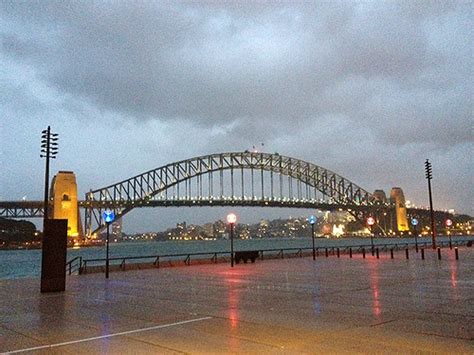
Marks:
<point>285,306</point>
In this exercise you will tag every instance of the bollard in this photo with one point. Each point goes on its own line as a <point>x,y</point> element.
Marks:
<point>338,252</point>
<point>439,253</point>
<point>363,253</point>
<point>377,253</point>
<point>456,253</point>
<point>327,254</point>
<point>350,253</point>
<point>406,253</point>
<point>391,253</point>
<point>422,254</point>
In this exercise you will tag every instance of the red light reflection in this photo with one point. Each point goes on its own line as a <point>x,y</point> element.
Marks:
<point>374,285</point>
<point>453,266</point>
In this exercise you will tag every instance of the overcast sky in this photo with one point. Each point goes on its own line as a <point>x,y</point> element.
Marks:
<point>368,90</point>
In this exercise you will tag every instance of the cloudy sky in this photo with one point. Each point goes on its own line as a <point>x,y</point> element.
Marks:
<point>366,89</point>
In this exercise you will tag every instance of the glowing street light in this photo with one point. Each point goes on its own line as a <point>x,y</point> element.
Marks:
<point>370,223</point>
<point>449,223</point>
<point>312,221</point>
<point>231,219</point>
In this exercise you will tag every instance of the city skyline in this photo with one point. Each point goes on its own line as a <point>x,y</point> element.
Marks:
<point>128,90</point>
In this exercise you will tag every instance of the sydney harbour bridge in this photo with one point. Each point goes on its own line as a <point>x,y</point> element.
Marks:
<point>224,179</point>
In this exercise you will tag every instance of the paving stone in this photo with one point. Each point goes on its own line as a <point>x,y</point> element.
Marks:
<point>331,305</point>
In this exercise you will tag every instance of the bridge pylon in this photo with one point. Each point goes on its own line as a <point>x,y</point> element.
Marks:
<point>65,205</point>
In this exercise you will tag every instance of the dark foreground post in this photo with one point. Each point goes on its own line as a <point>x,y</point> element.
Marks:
<point>54,251</point>
<point>456,253</point>
<point>414,223</point>
<point>232,244</point>
<point>312,221</point>
<point>109,217</point>
<point>231,219</point>
<point>107,252</point>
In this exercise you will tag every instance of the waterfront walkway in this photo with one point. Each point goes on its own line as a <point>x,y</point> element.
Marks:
<point>331,305</point>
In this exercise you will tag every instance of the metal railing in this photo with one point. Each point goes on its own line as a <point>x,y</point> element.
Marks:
<point>80,265</point>
<point>74,265</point>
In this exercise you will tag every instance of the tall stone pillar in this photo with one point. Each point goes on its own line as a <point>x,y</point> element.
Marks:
<point>64,195</point>
<point>398,199</point>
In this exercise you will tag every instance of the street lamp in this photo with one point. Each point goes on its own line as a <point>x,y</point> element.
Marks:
<point>414,223</point>
<point>312,221</point>
<point>49,149</point>
<point>449,223</point>
<point>371,222</point>
<point>108,217</point>
<point>231,219</point>
<point>429,176</point>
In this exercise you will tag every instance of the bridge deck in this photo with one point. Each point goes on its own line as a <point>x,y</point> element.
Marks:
<point>292,305</point>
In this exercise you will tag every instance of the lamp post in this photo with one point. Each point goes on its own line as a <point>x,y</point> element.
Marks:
<point>429,176</point>
<point>49,149</point>
<point>312,221</point>
<point>414,223</point>
<point>449,223</point>
<point>371,222</point>
<point>231,219</point>
<point>108,217</point>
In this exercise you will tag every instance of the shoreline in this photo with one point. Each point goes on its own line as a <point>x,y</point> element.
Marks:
<point>38,245</point>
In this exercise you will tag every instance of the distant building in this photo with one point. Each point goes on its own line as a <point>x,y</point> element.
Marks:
<point>181,226</point>
<point>263,228</point>
<point>208,230</point>
<point>219,229</point>
<point>117,228</point>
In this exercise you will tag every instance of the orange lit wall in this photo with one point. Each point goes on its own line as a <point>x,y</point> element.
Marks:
<point>64,194</point>
<point>397,196</point>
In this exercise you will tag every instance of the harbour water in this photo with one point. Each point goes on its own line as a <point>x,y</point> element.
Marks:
<point>27,263</point>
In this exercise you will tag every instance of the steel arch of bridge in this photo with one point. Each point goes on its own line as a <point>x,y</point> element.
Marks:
<point>154,187</point>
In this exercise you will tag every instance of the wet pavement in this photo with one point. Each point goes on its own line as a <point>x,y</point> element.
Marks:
<point>297,305</point>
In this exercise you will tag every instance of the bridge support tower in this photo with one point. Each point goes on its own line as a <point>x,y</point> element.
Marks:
<point>398,199</point>
<point>65,206</point>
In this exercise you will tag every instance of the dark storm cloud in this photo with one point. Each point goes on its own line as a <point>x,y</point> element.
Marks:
<point>336,83</point>
<point>285,64</point>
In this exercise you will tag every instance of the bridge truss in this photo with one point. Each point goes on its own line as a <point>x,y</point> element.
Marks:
<point>21,209</point>
<point>231,179</point>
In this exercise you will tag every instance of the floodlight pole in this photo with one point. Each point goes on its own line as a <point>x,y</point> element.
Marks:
<point>429,176</point>
<point>49,149</point>
<point>46,178</point>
